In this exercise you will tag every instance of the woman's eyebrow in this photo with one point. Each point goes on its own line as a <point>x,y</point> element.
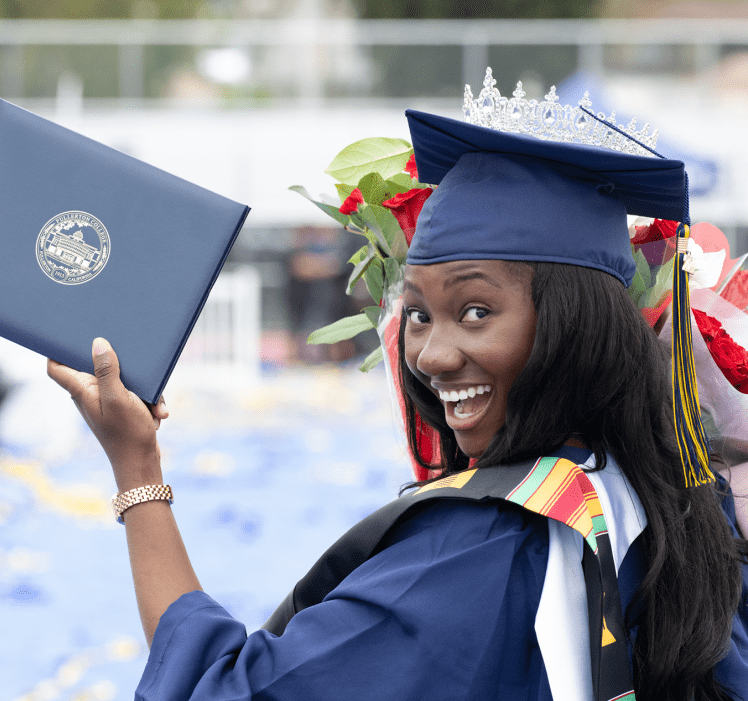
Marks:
<point>411,287</point>
<point>471,275</point>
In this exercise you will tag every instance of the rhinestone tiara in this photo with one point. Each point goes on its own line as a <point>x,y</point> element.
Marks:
<point>550,121</point>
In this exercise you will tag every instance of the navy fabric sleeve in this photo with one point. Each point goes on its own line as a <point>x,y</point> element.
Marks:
<point>445,611</point>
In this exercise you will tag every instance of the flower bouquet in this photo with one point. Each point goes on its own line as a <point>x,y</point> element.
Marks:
<point>379,199</point>
<point>719,299</point>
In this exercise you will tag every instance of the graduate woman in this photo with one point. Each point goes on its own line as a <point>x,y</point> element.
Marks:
<point>577,546</point>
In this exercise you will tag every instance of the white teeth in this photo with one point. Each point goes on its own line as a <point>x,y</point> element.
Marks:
<point>457,396</point>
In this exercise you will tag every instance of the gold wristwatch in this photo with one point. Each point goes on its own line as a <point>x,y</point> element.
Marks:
<point>121,502</point>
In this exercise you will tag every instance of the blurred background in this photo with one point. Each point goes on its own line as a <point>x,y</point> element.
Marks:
<point>275,448</point>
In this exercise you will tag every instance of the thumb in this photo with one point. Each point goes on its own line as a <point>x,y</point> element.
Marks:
<point>106,366</point>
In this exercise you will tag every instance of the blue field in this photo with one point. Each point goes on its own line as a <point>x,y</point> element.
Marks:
<point>264,482</point>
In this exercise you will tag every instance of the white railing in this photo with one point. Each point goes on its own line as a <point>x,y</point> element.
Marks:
<point>223,350</point>
<point>334,32</point>
<point>473,36</point>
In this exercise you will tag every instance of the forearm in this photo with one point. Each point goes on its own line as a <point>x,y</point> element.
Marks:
<point>161,568</point>
<point>126,428</point>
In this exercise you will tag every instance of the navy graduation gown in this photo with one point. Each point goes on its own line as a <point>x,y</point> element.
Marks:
<point>423,618</point>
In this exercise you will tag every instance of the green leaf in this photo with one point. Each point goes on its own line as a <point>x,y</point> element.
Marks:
<point>360,268</point>
<point>380,154</point>
<point>399,247</point>
<point>372,360</point>
<point>331,210</point>
<point>373,313</point>
<point>374,278</point>
<point>642,268</point>
<point>387,222</point>
<point>344,190</point>
<point>391,272</point>
<point>402,182</point>
<point>663,283</point>
<point>340,330</point>
<point>642,277</point>
<point>358,223</point>
<point>383,220</point>
<point>374,238</point>
<point>373,188</point>
<point>359,255</point>
<point>371,222</point>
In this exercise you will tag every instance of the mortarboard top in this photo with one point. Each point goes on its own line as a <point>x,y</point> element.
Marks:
<point>510,196</point>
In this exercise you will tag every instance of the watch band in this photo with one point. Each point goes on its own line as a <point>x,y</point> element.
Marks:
<point>121,502</point>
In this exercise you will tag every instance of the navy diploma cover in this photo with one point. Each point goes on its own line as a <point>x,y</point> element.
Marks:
<point>97,243</point>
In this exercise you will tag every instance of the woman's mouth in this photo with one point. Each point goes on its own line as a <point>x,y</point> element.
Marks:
<point>465,403</point>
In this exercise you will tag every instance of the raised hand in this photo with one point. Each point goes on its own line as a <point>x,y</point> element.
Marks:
<point>123,424</point>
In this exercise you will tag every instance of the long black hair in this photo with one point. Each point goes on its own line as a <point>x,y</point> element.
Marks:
<point>598,371</point>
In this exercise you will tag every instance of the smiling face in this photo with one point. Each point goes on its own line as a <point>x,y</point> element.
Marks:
<point>469,331</point>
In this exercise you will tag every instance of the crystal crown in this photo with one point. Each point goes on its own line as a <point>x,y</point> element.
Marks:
<point>550,121</point>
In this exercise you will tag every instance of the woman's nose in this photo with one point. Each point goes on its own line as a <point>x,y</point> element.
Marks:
<point>440,354</point>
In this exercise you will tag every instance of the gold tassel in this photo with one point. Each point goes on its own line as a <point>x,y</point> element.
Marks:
<point>689,431</point>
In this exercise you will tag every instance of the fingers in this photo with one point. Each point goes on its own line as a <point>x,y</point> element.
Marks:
<point>106,369</point>
<point>158,412</point>
<point>71,380</point>
<point>159,409</point>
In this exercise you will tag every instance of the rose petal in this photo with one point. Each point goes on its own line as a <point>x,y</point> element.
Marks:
<point>406,207</point>
<point>410,167</point>
<point>351,203</point>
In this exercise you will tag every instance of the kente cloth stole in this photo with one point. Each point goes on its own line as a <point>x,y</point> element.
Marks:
<point>553,487</point>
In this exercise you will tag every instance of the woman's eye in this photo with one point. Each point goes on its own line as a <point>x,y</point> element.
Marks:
<point>416,316</point>
<point>475,313</point>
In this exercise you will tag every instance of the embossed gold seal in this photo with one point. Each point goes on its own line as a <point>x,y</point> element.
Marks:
<point>73,247</point>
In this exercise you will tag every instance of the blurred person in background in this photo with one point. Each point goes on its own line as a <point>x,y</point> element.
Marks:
<point>316,274</point>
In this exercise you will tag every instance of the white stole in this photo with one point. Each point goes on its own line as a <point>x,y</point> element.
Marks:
<point>561,622</point>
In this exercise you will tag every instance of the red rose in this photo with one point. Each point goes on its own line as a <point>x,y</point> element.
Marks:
<point>736,291</point>
<point>659,229</point>
<point>406,207</point>
<point>410,167</point>
<point>351,203</point>
<point>731,358</point>
<point>663,228</point>
<point>708,326</point>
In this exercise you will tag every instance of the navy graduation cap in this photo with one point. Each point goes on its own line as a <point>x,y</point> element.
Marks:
<point>522,180</point>
<point>516,197</point>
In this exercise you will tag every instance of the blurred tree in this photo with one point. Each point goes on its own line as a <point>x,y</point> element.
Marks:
<point>98,9</point>
<point>475,9</point>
